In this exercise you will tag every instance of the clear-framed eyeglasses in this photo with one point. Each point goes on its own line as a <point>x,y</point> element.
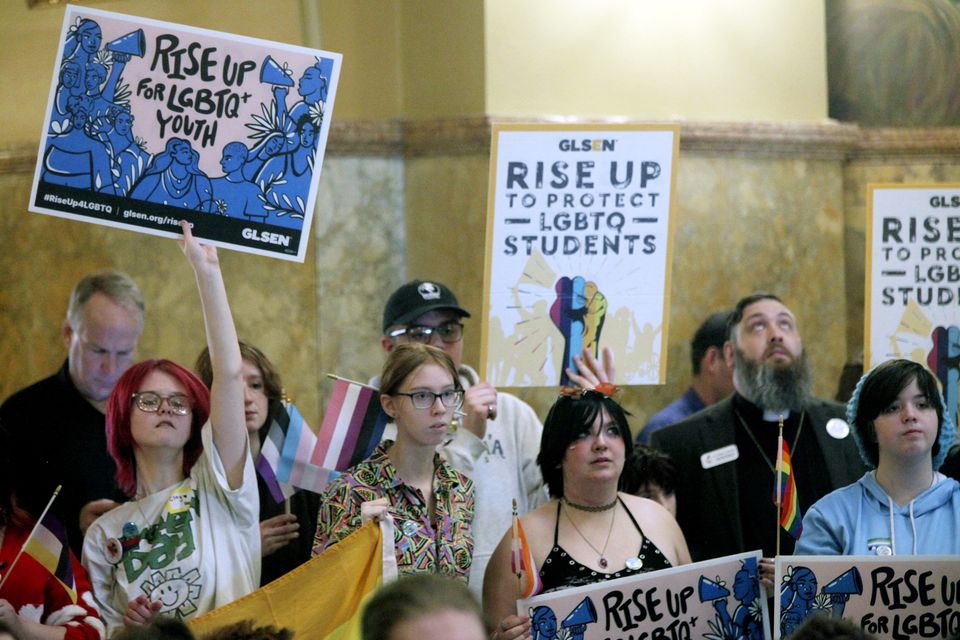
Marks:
<point>449,332</point>
<point>451,398</point>
<point>151,401</point>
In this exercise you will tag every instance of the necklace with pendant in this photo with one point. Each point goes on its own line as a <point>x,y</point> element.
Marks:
<point>602,553</point>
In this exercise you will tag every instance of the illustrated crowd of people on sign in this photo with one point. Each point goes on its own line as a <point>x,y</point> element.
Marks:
<point>92,142</point>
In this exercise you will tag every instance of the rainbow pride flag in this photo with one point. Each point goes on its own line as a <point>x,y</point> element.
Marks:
<point>352,426</point>
<point>787,501</point>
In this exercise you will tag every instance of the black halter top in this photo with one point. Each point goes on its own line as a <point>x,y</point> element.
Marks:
<point>560,571</point>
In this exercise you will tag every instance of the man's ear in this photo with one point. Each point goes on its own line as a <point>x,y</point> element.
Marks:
<point>386,344</point>
<point>728,348</point>
<point>712,357</point>
<point>67,332</point>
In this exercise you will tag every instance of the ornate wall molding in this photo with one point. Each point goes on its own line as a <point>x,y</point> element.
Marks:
<point>888,144</point>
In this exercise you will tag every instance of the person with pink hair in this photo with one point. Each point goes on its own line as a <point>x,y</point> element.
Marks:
<point>188,541</point>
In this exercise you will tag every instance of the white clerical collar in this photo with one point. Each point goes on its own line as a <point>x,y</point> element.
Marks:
<point>774,416</point>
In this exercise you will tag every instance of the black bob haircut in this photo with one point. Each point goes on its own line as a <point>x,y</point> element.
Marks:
<point>880,389</point>
<point>569,418</point>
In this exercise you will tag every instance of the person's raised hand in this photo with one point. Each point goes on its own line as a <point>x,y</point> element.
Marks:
<point>199,255</point>
<point>591,372</point>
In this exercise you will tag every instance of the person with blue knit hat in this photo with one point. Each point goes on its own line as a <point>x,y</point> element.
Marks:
<point>903,505</point>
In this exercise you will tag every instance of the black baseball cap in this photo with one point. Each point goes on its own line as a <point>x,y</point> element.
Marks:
<point>414,299</point>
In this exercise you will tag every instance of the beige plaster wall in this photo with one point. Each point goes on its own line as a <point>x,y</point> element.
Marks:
<point>740,60</point>
<point>368,35</point>
<point>442,65</point>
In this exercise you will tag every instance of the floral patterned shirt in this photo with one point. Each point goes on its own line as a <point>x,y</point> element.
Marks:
<point>442,545</point>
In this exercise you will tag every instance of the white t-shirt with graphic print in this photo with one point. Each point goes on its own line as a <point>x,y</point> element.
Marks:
<point>194,546</point>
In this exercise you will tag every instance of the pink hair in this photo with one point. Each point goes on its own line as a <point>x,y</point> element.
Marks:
<point>120,406</point>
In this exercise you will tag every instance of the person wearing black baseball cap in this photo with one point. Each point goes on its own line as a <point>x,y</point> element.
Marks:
<point>498,435</point>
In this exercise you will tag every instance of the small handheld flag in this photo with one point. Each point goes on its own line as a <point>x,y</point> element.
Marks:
<point>352,426</point>
<point>785,496</point>
<point>521,560</point>
<point>284,460</point>
<point>47,544</point>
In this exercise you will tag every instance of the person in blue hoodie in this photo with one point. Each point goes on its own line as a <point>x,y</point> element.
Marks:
<point>904,505</point>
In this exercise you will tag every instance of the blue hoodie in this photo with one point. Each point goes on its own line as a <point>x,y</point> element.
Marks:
<point>861,519</point>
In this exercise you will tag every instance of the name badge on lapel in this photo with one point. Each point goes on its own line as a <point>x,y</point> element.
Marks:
<point>719,456</point>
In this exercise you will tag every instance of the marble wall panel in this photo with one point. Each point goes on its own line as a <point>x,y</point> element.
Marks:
<point>359,261</point>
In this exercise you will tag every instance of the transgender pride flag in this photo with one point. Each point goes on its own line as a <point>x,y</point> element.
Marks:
<point>284,461</point>
<point>292,457</point>
<point>352,426</point>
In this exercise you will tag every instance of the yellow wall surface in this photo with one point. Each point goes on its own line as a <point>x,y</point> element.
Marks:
<point>735,60</point>
<point>442,70</point>
<point>368,35</point>
<point>698,59</point>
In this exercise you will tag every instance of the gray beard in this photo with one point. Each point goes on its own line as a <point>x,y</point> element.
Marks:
<point>773,387</point>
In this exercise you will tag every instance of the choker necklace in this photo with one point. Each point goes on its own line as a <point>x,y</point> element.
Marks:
<point>602,560</point>
<point>590,508</point>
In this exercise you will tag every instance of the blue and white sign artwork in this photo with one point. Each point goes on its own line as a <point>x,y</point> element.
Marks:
<point>149,123</point>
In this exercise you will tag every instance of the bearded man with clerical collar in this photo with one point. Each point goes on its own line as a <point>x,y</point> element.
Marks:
<point>725,455</point>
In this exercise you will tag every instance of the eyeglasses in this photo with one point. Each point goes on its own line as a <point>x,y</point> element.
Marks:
<point>451,398</point>
<point>151,402</point>
<point>449,332</point>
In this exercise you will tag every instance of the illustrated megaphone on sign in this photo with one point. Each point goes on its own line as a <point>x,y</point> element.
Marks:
<point>578,619</point>
<point>710,590</point>
<point>273,73</point>
<point>134,44</point>
<point>841,588</point>
<point>583,613</point>
<point>846,583</point>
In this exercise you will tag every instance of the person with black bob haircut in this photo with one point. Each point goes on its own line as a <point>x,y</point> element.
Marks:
<point>589,532</point>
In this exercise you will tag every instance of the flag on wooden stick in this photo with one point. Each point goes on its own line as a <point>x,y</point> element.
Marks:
<point>521,560</point>
<point>786,493</point>
<point>47,544</point>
